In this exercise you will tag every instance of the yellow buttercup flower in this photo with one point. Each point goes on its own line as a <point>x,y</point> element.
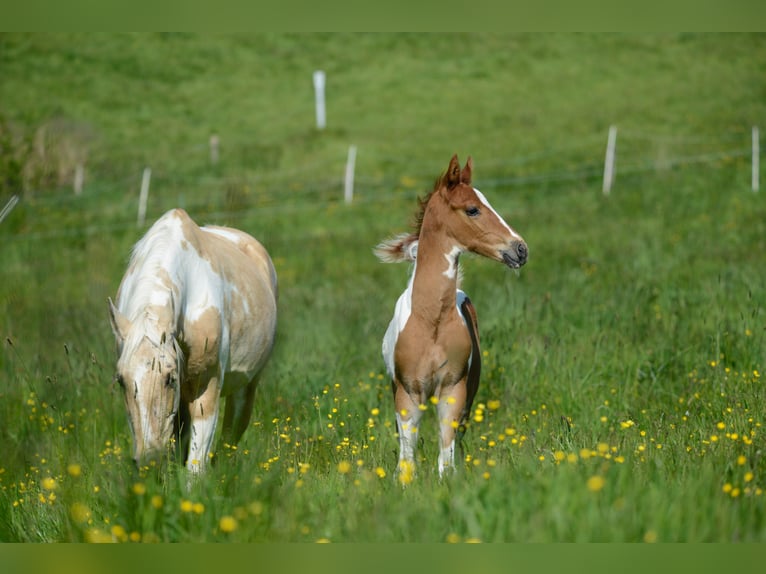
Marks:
<point>119,533</point>
<point>79,513</point>
<point>98,536</point>
<point>406,471</point>
<point>595,483</point>
<point>228,524</point>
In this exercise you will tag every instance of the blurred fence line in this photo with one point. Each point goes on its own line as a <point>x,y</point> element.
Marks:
<point>308,186</point>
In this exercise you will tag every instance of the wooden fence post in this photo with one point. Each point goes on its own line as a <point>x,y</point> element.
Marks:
<point>144,196</point>
<point>609,160</point>
<point>8,207</point>
<point>79,178</point>
<point>756,159</point>
<point>214,143</point>
<point>319,81</point>
<point>348,193</point>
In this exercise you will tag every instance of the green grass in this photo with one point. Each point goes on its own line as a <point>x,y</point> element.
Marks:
<point>630,348</point>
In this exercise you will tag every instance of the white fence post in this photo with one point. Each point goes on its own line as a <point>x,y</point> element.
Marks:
<point>319,81</point>
<point>79,178</point>
<point>348,193</point>
<point>142,199</point>
<point>756,158</point>
<point>214,142</point>
<point>8,207</point>
<point>609,160</point>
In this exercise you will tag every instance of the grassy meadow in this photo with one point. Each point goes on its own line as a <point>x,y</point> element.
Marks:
<point>622,395</point>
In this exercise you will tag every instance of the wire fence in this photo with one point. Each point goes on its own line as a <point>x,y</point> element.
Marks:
<point>109,205</point>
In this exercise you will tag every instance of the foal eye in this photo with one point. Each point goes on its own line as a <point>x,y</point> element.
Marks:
<point>472,211</point>
<point>169,380</point>
<point>119,380</point>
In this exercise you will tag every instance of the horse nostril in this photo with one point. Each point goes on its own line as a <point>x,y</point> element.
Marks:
<point>521,249</point>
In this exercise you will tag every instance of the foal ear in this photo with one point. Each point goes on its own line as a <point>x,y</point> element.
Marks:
<point>452,177</point>
<point>120,323</point>
<point>465,176</point>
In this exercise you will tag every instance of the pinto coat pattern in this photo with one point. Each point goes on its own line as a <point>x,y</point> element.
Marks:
<point>194,321</point>
<point>431,347</point>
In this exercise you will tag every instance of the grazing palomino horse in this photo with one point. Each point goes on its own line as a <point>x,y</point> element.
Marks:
<point>195,319</point>
<point>431,347</point>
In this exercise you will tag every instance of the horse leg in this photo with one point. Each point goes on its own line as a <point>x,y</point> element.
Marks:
<point>203,414</point>
<point>452,401</point>
<point>239,408</point>
<point>408,415</point>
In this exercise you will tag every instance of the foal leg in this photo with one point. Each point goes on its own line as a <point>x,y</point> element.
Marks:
<point>239,408</point>
<point>203,413</point>
<point>408,415</point>
<point>449,409</point>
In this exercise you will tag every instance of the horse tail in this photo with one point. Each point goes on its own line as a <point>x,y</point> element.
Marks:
<point>468,311</point>
<point>403,247</point>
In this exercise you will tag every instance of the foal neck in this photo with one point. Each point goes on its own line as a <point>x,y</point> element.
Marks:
<point>434,283</point>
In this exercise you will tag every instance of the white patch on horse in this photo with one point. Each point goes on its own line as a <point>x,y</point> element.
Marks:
<point>202,433</point>
<point>408,435</point>
<point>484,200</point>
<point>446,457</point>
<point>226,234</point>
<point>402,312</point>
<point>451,257</point>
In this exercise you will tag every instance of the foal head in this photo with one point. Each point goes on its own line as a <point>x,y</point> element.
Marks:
<point>149,372</point>
<point>463,213</point>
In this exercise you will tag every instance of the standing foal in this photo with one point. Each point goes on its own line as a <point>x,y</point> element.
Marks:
<point>431,346</point>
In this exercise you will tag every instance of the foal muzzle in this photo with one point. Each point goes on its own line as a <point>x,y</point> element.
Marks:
<point>516,255</point>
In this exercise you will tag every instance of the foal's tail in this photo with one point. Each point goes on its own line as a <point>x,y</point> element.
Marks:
<point>403,247</point>
<point>468,311</point>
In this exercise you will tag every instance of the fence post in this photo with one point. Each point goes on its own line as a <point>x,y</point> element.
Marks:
<point>79,178</point>
<point>609,160</point>
<point>319,98</point>
<point>214,141</point>
<point>348,193</point>
<point>756,159</point>
<point>144,196</point>
<point>8,207</point>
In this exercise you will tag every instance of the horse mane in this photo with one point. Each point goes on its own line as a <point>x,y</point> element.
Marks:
<point>404,247</point>
<point>147,258</point>
<point>423,203</point>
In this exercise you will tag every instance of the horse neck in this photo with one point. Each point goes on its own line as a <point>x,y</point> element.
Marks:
<point>434,282</point>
